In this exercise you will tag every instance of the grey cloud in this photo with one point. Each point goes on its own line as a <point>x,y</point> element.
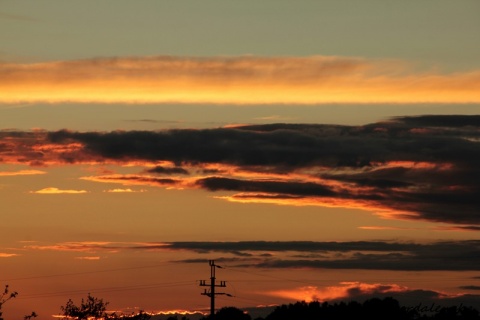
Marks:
<point>443,187</point>
<point>447,121</point>
<point>159,181</point>
<point>470,287</point>
<point>296,188</point>
<point>302,246</point>
<point>282,145</point>
<point>165,170</point>
<point>371,255</point>
<point>469,228</point>
<point>354,255</point>
<point>442,255</point>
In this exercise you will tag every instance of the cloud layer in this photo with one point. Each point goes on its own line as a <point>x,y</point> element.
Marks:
<point>240,80</point>
<point>422,167</point>
<point>378,256</point>
<point>357,255</point>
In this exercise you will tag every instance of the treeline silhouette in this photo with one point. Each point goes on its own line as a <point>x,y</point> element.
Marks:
<point>372,309</point>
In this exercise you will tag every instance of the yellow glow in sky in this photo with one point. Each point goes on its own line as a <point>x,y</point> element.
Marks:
<point>234,80</point>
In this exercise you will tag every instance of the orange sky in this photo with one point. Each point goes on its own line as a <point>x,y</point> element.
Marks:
<point>315,150</point>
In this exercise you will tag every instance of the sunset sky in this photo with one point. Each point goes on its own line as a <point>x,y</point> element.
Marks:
<point>316,150</point>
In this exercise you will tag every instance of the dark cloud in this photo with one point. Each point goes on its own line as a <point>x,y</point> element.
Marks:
<point>392,262</point>
<point>445,255</point>
<point>470,287</point>
<point>137,179</point>
<point>296,188</point>
<point>302,246</point>
<point>469,228</point>
<point>354,255</point>
<point>448,121</point>
<point>424,167</point>
<point>282,145</point>
<point>164,170</point>
<point>218,260</point>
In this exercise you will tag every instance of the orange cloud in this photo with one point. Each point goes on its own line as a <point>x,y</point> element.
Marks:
<point>94,246</point>
<point>239,80</point>
<point>461,228</point>
<point>344,290</point>
<point>132,179</point>
<point>85,246</point>
<point>7,255</point>
<point>90,258</point>
<point>124,190</point>
<point>179,311</point>
<point>52,190</point>
<point>21,173</point>
<point>373,206</point>
<point>384,228</point>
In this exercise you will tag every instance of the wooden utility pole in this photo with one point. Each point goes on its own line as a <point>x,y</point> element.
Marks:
<point>211,293</point>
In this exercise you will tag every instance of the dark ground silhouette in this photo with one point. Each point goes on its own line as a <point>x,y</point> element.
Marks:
<point>372,309</point>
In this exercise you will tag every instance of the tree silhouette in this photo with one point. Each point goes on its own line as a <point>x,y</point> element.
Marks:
<point>371,309</point>
<point>91,308</point>
<point>95,308</point>
<point>138,316</point>
<point>387,308</point>
<point>4,297</point>
<point>231,313</point>
<point>7,295</point>
<point>175,317</point>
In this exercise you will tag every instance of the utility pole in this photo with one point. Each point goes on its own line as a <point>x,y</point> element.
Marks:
<point>212,286</point>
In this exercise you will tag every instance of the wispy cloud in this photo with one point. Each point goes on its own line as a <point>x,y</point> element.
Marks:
<point>475,288</point>
<point>134,180</point>
<point>7,255</point>
<point>127,190</point>
<point>458,228</point>
<point>366,255</point>
<point>85,246</point>
<point>20,173</point>
<point>275,118</point>
<point>354,255</point>
<point>52,190</point>
<point>384,228</point>
<point>88,258</point>
<point>241,80</point>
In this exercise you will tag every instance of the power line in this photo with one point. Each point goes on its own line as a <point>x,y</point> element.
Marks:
<point>82,273</point>
<point>257,301</point>
<point>311,281</point>
<point>108,289</point>
<point>307,281</point>
<point>268,276</point>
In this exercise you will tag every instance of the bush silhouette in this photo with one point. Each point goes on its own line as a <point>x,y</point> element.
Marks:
<point>231,313</point>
